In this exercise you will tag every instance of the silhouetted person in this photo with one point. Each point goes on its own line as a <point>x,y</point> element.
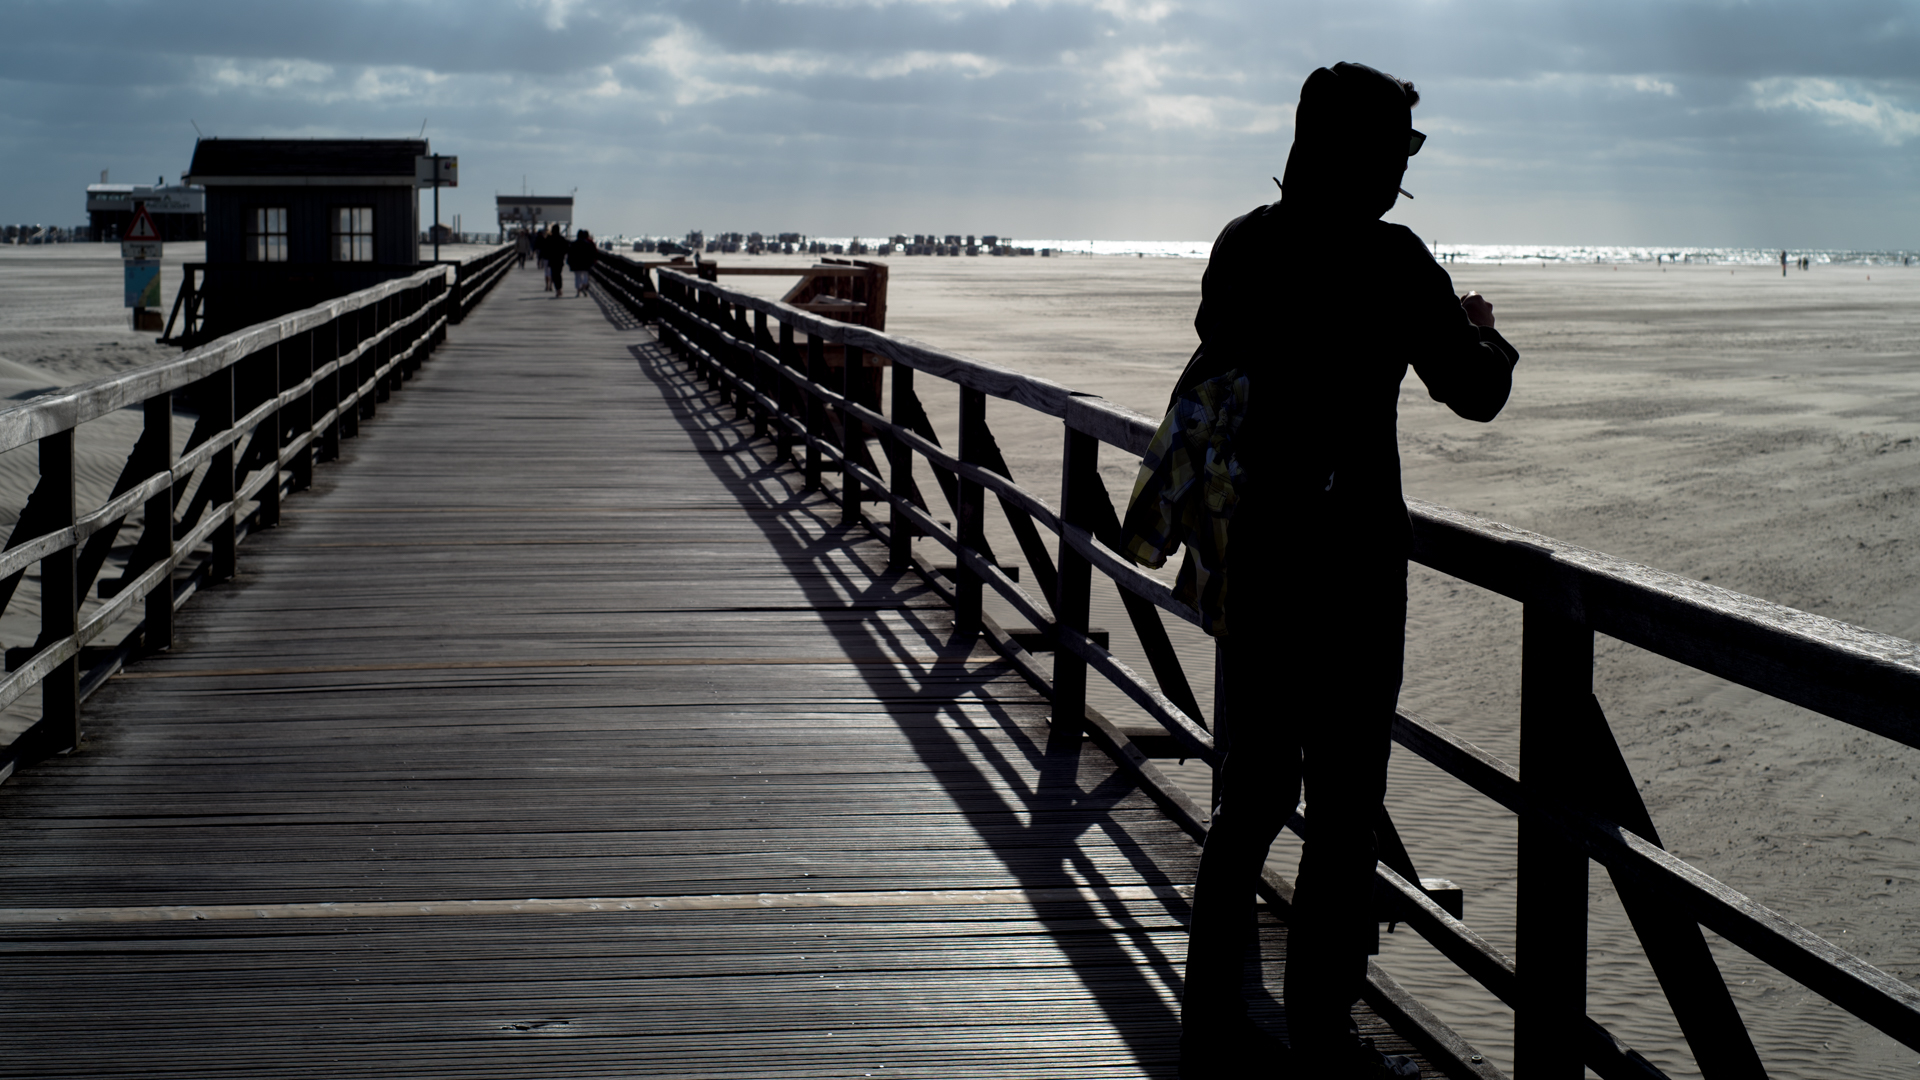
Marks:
<point>553,248</point>
<point>1318,555</point>
<point>580,256</point>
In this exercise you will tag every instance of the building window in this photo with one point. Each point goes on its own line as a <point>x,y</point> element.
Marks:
<point>352,234</point>
<point>267,234</point>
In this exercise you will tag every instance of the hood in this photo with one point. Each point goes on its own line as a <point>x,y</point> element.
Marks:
<point>1349,144</point>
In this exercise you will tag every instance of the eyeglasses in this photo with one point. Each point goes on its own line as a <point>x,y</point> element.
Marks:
<point>1414,141</point>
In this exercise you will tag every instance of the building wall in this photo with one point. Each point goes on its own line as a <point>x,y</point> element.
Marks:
<point>240,293</point>
<point>396,228</point>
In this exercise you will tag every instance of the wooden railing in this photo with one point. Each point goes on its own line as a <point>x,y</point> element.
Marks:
<point>472,280</point>
<point>771,362</point>
<point>266,403</point>
<point>476,277</point>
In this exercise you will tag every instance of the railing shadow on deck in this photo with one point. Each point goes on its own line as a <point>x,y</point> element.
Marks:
<point>771,363</point>
<point>266,405</point>
<point>1058,808</point>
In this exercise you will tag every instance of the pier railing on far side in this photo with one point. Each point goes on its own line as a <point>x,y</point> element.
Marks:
<point>265,403</point>
<point>792,373</point>
<point>472,279</point>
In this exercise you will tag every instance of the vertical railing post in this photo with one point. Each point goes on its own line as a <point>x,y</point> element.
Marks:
<point>157,534</point>
<point>386,384</point>
<point>719,318</point>
<point>1556,682</point>
<point>767,381</point>
<point>269,513</point>
<point>973,507</point>
<point>782,435</point>
<point>900,472</point>
<point>816,413</point>
<point>853,380</point>
<point>299,419</point>
<point>1079,483</point>
<point>366,365</point>
<point>408,301</point>
<point>419,301</point>
<point>705,336</point>
<point>217,401</point>
<point>741,358</point>
<point>59,597</point>
<point>346,377</point>
<point>326,350</point>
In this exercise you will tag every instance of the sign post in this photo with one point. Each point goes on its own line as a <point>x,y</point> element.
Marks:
<point>436,171</point>
<point>140,252</point>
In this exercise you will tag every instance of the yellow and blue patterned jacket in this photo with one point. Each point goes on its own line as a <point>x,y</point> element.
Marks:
<point>1189,485</point>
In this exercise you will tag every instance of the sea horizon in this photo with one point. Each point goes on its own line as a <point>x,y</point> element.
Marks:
<point>1483,254</point>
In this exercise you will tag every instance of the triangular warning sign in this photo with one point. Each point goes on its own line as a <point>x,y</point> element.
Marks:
<point>142,227</point>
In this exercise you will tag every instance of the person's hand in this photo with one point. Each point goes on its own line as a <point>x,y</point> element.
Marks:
<point>1479,311</point>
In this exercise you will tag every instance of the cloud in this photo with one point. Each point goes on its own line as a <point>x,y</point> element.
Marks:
<point>1138,117</point>
<point>1840,105</point>
<point>1645,84</point>
<point>230,74</point>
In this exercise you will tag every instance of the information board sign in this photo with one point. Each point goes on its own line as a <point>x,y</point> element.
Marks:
<point>143,283</point>
<point>141,249</point>
<point>436,170</point>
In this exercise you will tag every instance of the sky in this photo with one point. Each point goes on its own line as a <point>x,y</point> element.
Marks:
<point>1656,122</point>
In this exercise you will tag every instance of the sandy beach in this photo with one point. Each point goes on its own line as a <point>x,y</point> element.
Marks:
<point>1726,424</point>
<point>1730,425</point>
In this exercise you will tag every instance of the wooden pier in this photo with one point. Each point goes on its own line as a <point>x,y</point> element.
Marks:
<point>558,731</point>
<point>578,706</point>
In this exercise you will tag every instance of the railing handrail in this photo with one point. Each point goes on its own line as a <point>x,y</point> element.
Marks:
<point>1864,678</point>
<point>1041,395</point>
<point>1860,677</point>
<point>71,406</point>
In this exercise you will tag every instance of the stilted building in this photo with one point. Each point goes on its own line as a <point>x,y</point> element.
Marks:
<point>529,213</point>
<point>179,211</point>
<point>295,222</point>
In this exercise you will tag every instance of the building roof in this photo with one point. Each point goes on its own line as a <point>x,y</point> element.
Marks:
<point>129,189</point>
<point>533,200</point>
<point>304,160</point>
<point>160,198</point>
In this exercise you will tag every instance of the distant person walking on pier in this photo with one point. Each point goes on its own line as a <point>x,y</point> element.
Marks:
<point>522,245</point>
<point>1318,554</point>
<point>580,256</point>
<point>553,249</point>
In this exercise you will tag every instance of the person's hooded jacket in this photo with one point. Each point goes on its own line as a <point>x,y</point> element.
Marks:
<point>1324,306</point>
<point>581,253</point>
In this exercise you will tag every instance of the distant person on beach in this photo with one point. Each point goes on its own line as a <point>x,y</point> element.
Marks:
<point>553,249</point>
<point>580,256</point>
<point>1318,554</point>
